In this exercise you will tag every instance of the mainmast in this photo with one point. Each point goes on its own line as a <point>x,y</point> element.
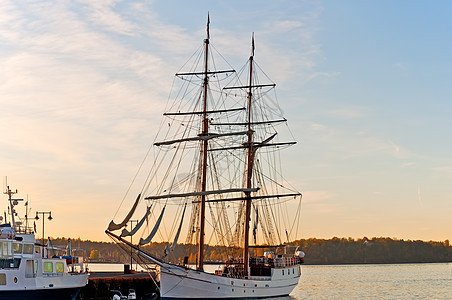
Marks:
<point>205,132</point>
<point>249,168</point>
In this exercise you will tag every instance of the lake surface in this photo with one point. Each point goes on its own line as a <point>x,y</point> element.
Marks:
<point>404,281</point>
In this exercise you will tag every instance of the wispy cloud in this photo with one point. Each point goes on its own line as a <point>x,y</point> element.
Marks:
<point>319,203</point>
<point>401,66</point>
<point>316,75</point>
<point>346,142</point>
<point>348,112</point>
<point>103,14</point>
<point>77,99</point>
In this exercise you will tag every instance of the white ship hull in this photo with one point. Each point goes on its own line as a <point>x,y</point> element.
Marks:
<point>182,283</point>
<point>26,274</point>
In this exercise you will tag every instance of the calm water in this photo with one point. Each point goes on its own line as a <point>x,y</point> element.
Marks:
<point>405,281</point>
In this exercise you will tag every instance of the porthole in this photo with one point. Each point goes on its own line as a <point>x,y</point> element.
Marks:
<point>15,279</point>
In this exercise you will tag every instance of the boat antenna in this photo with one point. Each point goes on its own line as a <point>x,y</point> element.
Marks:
<point>208,23</point>
<point>252,45</point>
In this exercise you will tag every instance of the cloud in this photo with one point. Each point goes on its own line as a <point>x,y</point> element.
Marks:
<point>347,143</point>
<point>348,112</point>
<point>443,169</point>
<point>84,84</point>
<point>316,196</point>
<point>317,202</point>
<point>102,13</point>
<point>316,75</point>
<point>400,66</point>
<point>78,104</point>
<point>287,25</point>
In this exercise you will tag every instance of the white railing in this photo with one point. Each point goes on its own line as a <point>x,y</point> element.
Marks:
<point>278,262</point>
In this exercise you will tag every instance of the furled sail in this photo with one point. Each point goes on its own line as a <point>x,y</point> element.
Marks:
<point>154,230</point>
<point>256,222</point>
<point>202,137</point>
<point>125,232</point>
<point>113,226</point>
<point>178,230</point>
<point>173,245</point>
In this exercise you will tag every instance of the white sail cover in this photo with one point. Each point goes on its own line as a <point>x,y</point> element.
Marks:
<point>178,231</point>
<point>113,226</point>
<point>125,232</point>
<point>154,230</point>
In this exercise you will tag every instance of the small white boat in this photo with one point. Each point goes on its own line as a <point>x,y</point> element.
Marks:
<point>26,270</point>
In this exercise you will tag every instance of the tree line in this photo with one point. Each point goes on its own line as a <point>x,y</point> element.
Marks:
<point>374,250</point>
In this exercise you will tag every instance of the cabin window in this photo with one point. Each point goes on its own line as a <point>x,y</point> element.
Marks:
<point>48,267</point>
<point>17,248</point>
<point>283,272</point>
<point>28,249</point>
<point>2,279</point>
<point>6,250</point>
<point>59,267</point>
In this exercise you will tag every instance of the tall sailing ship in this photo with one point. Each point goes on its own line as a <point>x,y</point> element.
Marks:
<point>218,166</point>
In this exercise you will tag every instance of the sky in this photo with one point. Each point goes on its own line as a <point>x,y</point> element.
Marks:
<point>366,87</point>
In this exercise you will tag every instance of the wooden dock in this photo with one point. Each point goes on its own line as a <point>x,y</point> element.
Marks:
<point>101,283</point>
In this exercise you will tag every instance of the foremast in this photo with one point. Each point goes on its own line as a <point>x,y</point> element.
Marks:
<point>249,165</point>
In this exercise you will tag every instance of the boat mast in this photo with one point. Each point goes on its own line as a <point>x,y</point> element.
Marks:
<point>249,169</point>
<point>205,131</point>
<point>9,192</point>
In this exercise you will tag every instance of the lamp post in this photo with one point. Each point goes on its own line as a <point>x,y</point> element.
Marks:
<point>43,213</point>
<point>131,248</point>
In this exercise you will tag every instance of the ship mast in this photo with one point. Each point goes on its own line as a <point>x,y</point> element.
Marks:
<point>205,132</point>
<point>12,204</point>
<point>249,168</point>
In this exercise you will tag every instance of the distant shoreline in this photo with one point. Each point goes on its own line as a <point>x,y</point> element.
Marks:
<point>335,251</point>
<point>394,263</point>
